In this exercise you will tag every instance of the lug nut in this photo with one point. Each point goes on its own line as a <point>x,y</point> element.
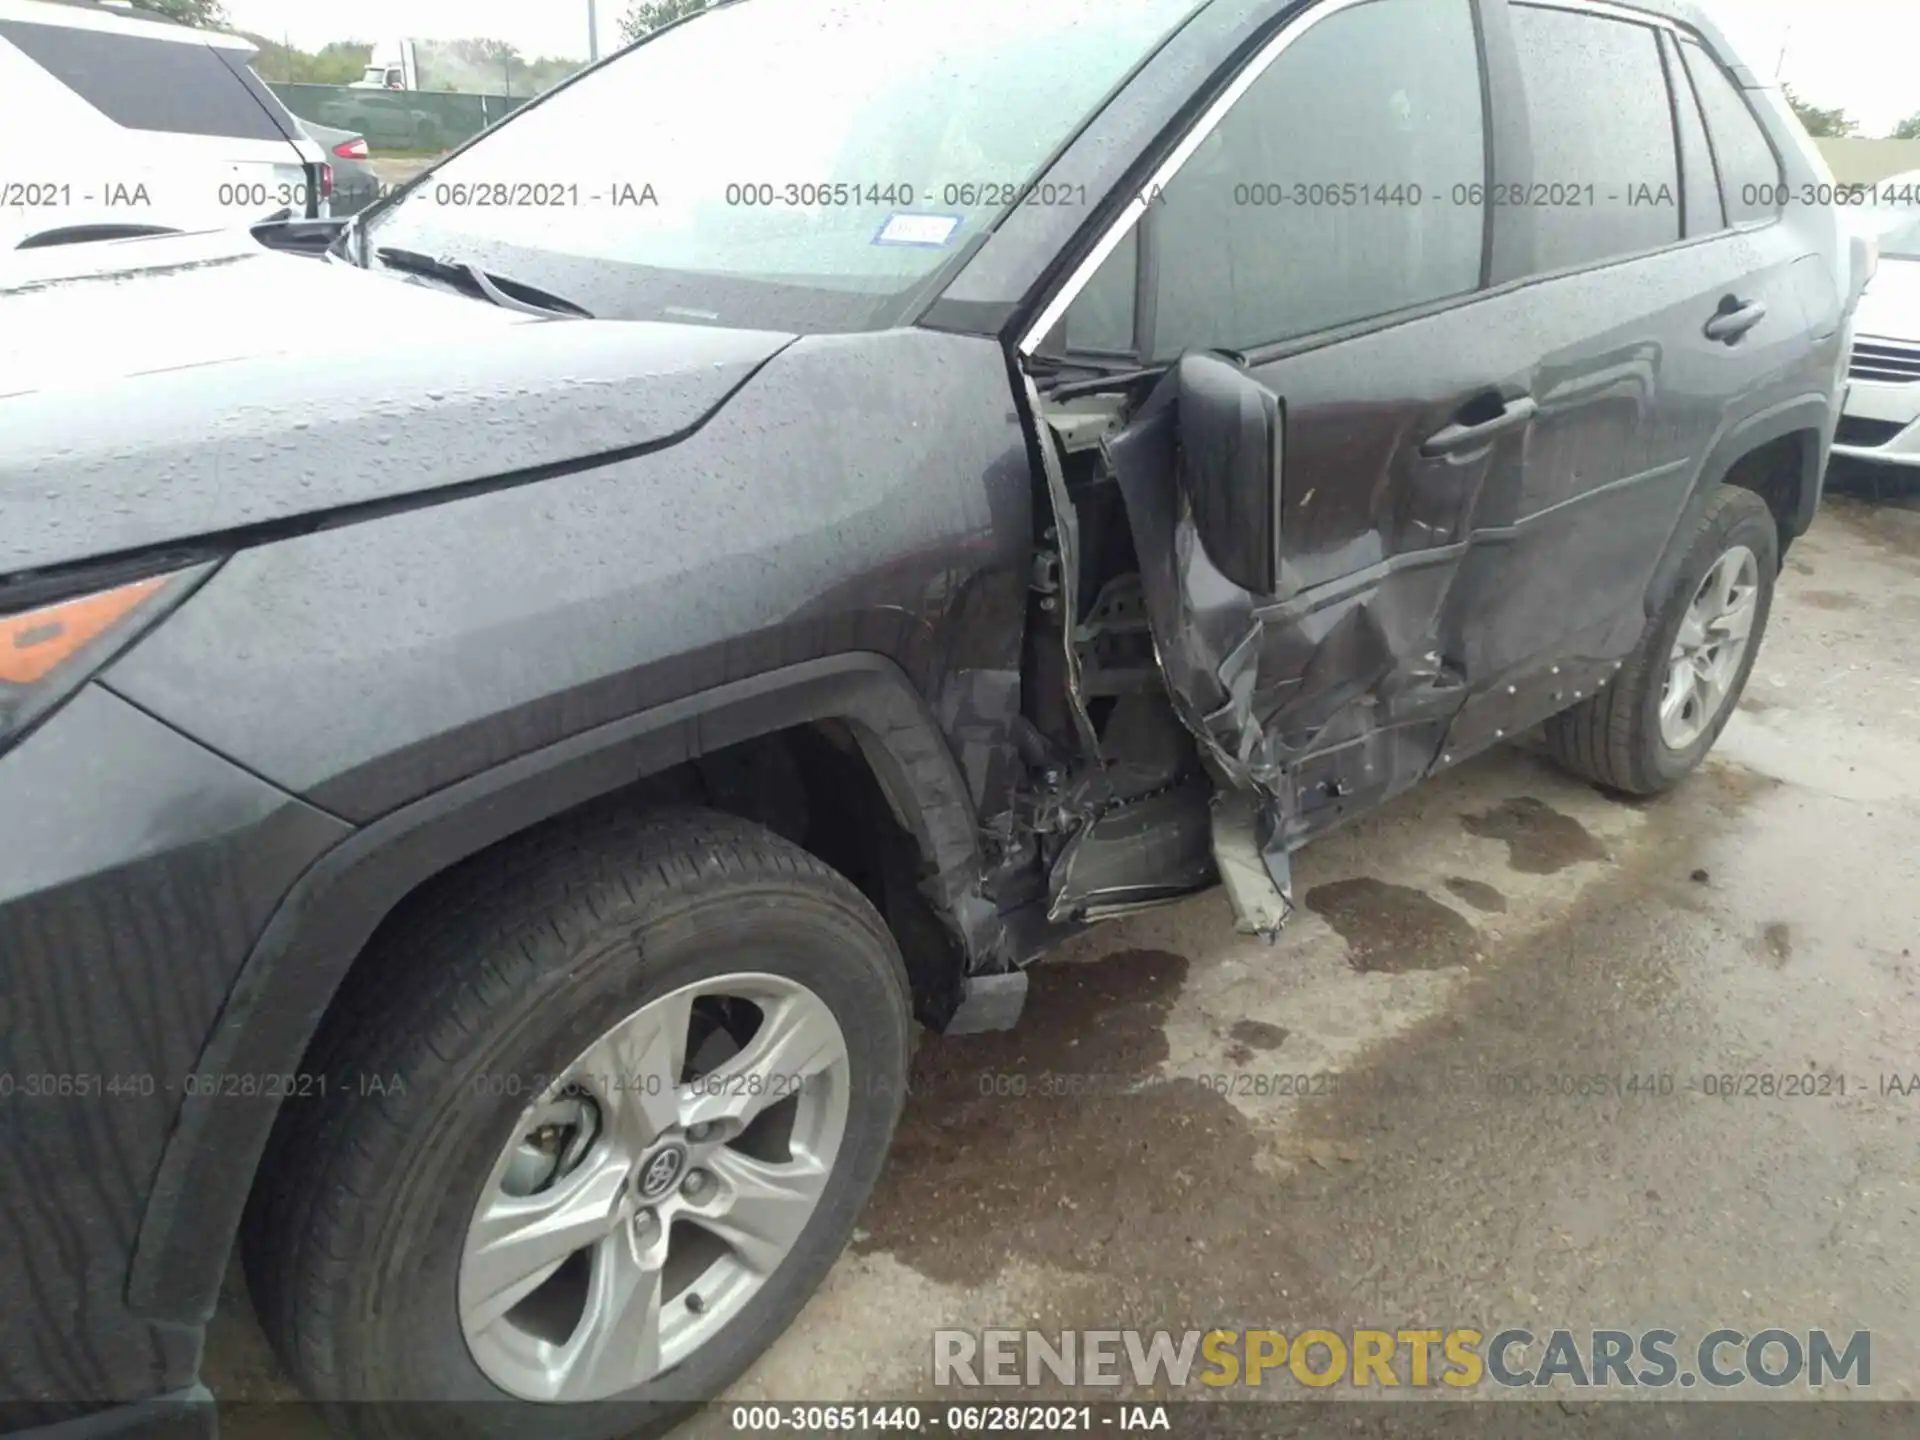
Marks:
<point>695,1184</point>
<point>697,1133</point>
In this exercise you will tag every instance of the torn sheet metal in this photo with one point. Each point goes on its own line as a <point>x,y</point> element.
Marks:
<point>1257,879</point>
<point>1271,685</point>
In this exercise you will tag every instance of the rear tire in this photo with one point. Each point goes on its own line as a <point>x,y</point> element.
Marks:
<point>1616,738</point>
<point>507,970</point>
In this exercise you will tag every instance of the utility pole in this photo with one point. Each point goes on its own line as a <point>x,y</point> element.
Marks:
<point>1781,64</point>
<point>593,32</point>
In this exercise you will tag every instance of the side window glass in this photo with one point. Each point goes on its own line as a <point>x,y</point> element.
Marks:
<point>1606,178</point>
<point>1705,214</point>
<point>1750,175</point>
<point>1346,183</point>
<point>1100,320</point>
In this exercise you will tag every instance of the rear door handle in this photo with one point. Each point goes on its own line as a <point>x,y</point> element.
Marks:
<point>1457,437</point>
<point>1727,326</point>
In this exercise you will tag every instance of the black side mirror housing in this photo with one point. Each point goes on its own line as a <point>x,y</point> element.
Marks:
<point>1231,439</point>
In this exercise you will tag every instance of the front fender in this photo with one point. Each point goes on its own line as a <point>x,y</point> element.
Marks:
<point>313,937</point>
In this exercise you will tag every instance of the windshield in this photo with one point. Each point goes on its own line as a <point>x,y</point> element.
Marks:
<point>1895,220</point>
<point>1899,232</point>
<point>790,164</point>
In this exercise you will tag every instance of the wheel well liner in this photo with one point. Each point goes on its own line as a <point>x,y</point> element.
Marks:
<point>321,925</point>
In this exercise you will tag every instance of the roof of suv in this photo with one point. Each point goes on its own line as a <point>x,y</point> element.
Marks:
<point>113,20</point>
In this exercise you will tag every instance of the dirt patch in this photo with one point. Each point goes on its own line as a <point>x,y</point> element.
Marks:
<point>1478,894</point>
<point>1827,599</point>
<point>1893,525</point>
<point>1540,840</point>
<point>1394,928</point>
<point>1774,943</point>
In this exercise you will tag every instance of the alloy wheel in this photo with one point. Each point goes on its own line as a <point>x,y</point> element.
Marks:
<point>1708,651</point>
<point>653,1187</point>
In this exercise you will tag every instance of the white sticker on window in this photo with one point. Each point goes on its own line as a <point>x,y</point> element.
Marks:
<point>906,228</point>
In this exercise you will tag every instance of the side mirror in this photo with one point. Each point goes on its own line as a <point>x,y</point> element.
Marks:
<point>1231,438</point>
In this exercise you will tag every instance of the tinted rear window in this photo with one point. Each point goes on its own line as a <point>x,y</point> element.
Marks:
<point>1603,143</point>
<point>147,84</point>
<point>1750,176</point>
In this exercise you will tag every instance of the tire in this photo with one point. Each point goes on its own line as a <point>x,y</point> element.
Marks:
<point>507,967</point>
<point>1614,738</point>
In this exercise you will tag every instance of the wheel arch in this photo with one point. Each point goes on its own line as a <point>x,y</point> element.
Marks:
<point>321,926</point>
<point>1779,454</point>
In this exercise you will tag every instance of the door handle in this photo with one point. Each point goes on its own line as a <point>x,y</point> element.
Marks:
<point>1457,437</point>
<point>1727,326</point>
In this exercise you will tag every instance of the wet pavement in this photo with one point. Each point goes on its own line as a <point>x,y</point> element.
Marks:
<point>1140,1154</point>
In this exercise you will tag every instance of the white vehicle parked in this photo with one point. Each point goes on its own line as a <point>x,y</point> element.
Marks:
<point>138,126</point>
<point>1881,421</point>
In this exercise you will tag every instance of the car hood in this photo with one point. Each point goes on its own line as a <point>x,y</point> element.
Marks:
<point>162,390</point>
<point>1890,308</point>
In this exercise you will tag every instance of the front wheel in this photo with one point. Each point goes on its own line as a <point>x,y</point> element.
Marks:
<point>1656,722</point>
<point>598,1119</point>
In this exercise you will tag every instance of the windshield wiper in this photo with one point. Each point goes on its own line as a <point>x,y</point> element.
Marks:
<point>529,299</point>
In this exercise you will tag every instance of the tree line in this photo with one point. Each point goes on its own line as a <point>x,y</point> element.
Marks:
<point>342,61</point>
<point>1836,124</point>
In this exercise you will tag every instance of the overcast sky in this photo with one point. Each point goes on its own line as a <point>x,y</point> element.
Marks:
<point>1862,55</point>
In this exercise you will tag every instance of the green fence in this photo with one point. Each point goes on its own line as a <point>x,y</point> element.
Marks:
<point>427,120</point>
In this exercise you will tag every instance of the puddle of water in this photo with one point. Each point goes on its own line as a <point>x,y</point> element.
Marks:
<point>1540,840</point>
<point>1257,1035</point>
<point>1478,894</point>
<point>1051,1142</point>
<point>1394,928</point>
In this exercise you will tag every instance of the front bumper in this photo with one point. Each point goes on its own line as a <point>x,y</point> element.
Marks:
<point>136,869</point>
<point>1880,422</point>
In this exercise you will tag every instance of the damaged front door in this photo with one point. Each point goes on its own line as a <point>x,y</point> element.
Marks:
<point>1301,481</point>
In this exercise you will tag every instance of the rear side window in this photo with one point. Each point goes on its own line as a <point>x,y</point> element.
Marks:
<point>1750,175</point>
<point>1705,214</point>
<point>180,87</point>
<point>1606,179</point>
<point>1347,183</point>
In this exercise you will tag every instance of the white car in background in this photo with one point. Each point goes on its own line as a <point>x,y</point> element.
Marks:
<point>118,125</point>
<point>1881,422</point>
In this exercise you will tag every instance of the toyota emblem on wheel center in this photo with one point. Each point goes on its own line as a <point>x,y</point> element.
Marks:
<point>660,1173</point>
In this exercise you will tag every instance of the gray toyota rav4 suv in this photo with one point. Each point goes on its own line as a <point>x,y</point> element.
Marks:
<point>839,499</point>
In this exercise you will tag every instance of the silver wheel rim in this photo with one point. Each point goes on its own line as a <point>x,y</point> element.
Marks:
<point>651,1190</point>
<point>1707,652</point>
